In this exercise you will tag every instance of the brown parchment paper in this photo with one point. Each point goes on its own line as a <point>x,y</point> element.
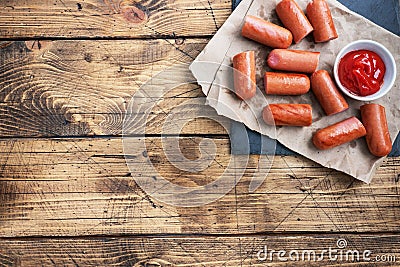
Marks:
<point>353,158</point>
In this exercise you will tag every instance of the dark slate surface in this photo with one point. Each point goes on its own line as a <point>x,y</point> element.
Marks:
<point>384,13</point>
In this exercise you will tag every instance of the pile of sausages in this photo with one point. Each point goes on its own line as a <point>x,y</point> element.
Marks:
<point>292,80</point>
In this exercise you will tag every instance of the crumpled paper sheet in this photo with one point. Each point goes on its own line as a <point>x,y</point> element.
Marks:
<point>352,158</point>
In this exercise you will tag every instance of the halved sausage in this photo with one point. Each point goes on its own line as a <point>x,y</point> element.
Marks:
<point>319,14</point>
<point>327,93</point>
<point>266,33</point>
<point>293,60</point>
<point>294,19</point>
<point>339,133</point>
<point>244,74</point>
<point>276,83</point>
<point>288,114</point>
<point>378,139</point>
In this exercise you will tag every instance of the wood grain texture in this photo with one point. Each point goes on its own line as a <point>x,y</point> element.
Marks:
<point>78,88</point>
<point>111,18</point>
<point>202,251</point>
<point>68,70</point>
<point>74,187</point>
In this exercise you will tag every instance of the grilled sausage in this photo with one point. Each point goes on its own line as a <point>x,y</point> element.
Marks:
<point>294,19</point>
<point>288,114</point>
<point>327,93</point>
<point>339,133</point>
<point>378,139</point>
<point>286,83</point>
<point>244,74</point>
<point>267,33</point>
<point>319,14</point>
<point>293,60</point>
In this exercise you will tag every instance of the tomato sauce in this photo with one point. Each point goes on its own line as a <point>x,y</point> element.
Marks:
<point>362,72</point>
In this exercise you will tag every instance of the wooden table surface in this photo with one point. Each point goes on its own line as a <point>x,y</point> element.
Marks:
<point>67,198</point>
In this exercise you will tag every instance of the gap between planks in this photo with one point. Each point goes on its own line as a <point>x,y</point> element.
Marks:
<point>278,234</point>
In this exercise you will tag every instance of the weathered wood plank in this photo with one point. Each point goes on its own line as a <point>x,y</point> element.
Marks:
<point>84,187</point>
<point>111,18</point>
<point>361,250</point>
<point>78,88</point>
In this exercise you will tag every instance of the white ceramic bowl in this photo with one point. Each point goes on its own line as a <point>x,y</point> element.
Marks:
<point>388,60</point>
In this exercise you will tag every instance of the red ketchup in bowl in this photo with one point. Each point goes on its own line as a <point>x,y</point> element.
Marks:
<point>362,72</point>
